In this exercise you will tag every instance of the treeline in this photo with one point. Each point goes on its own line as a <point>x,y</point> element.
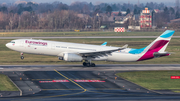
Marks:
<point>29,20</point>
<point>58,15</point>
<point>80,7</point>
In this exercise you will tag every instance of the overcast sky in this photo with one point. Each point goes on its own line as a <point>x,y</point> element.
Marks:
<point>106,1</point>
<point>96,1</point>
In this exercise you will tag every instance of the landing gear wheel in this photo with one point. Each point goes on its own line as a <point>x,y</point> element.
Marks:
<point>84,64</point>
<point>60,58</point>
<point>88,65</point>
<point>22,57</point>
<point>93,65</point>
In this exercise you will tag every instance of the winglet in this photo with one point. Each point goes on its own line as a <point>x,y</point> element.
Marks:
<point>125,46</point>
<point>104,44</point>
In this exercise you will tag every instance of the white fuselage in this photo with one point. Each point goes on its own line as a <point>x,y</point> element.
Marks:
<point>55,48</point>
<point>75,52</point>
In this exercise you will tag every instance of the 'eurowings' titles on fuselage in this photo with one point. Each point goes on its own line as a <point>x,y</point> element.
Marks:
<point>36,43</point>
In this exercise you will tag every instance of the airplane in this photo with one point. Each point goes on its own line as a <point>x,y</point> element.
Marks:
<point>74,52</point>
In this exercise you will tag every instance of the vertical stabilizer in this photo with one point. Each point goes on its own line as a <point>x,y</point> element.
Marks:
<point>158,46</point>
<point>161,42</point>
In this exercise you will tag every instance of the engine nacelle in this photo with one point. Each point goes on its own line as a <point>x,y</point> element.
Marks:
<point>72,57</point>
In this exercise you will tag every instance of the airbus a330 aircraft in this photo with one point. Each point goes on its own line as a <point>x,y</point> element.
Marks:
<point>75,52</point>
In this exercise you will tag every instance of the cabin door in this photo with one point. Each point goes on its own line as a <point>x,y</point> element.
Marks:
<point>53,46</point>
<point>21,43</point>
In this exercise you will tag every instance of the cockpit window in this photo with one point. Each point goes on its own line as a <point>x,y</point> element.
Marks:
<point>12,42</point>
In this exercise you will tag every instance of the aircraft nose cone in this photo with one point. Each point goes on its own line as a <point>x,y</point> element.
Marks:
<point>7,45</point>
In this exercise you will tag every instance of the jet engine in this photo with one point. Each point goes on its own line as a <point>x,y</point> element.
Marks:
<point>72,57</point>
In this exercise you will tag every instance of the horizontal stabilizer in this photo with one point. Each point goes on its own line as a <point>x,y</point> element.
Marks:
<point>157,54</point>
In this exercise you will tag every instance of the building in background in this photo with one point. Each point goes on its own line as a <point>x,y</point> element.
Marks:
<point>146,19</point>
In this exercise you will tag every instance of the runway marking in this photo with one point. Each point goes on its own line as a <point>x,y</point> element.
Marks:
<point>44,79</point>
<point>53,81</point>
<point>89,89</point>
<point>89,81</point>
<point>70,80</point>
<point>61,89</point>
<point>106,89</point>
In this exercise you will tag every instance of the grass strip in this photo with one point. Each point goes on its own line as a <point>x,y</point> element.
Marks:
<point>54,34</point>
<point>6,84</point>
<point>177,91</point>
<point>153,80</point>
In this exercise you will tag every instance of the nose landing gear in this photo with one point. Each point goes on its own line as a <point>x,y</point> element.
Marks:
<point>22,57</point>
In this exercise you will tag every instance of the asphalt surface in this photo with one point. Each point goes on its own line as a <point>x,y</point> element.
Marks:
<point>99,67</point>
<point>49,83</point>
<point>71,37</point>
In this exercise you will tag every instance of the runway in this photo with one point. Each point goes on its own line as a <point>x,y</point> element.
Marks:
<point>72,37</point>
<point>74,82</point>
<point>99,67</point>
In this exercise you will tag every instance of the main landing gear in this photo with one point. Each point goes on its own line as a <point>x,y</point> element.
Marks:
<point>22,57</point>
<point>88,64</point>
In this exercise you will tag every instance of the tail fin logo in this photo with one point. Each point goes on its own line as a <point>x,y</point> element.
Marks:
<point>158,45</point>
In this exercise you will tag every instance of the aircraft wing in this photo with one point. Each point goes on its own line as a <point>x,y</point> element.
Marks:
<point>95,54</point>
